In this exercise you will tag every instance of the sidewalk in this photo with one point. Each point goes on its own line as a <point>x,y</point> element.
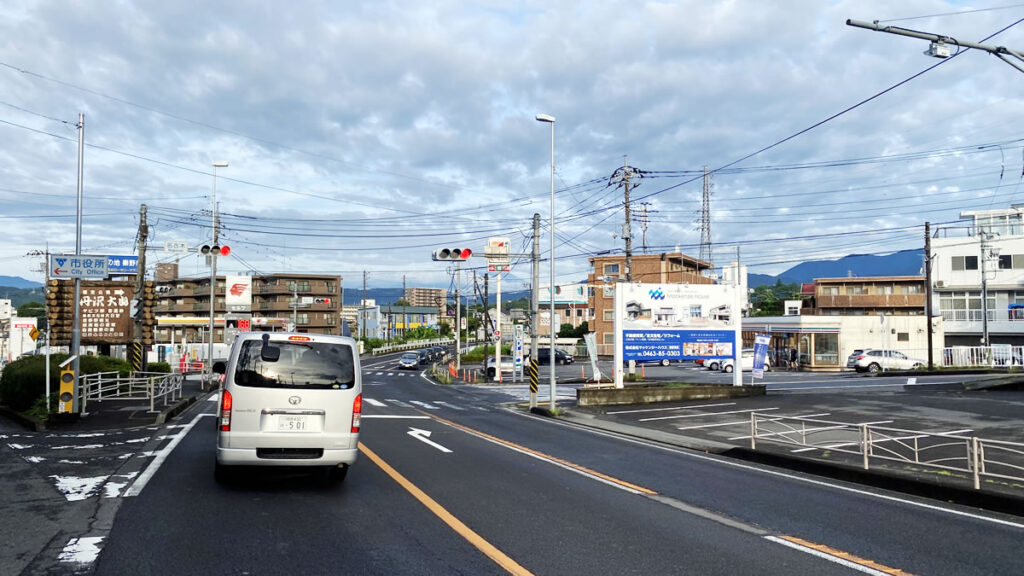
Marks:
<point>112,414</point>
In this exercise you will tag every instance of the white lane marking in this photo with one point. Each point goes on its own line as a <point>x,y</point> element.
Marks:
<point>161,456</point>
<point>743,422</point>
<point>729,462</point>
<point>448,405</point>
<point>396,416</point>
<point>424,436</point>
<point>774,389</point>
<point>373,402</point>
<point>673,408</point>
<point>391,373</point>
<point>705,414</point>
<point>739,423</point>
<point>75,488</point>
<point>399,403</point>
<point>426,405</point>
<point>82,551</point>
<point>829,557</point>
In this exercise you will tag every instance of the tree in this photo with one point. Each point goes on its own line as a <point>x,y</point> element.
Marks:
<point>770,300</point>
<point>32,310</point>
<point>401,302</point>
<point>568,331</point>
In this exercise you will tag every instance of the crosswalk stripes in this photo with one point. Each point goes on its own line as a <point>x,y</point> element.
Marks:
<point>434,405</point>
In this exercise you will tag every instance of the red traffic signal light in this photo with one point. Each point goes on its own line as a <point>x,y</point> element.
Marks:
<point>215,249</point>
<point>452,254</point>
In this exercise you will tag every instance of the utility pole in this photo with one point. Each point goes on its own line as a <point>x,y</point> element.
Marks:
<point>626,233</point>
<point>76,323</point>
<point>985,251</point>
<point>458,315</point>
<point>138,362</point>
<point>362,309</point>
<point>487,312</point>
<point>705,219</point>
<point>405,314</point>
<point>928,289</point>
<point>643,219</point>
<point>535,312</point>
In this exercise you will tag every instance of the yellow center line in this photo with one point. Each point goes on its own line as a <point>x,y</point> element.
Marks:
<point>845,556</point>
<point>554,459</point>
<point>457,525</point>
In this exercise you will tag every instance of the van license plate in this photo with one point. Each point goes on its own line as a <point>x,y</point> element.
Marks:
<point>287,423</point>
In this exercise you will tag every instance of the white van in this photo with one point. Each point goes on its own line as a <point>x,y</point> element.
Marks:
<point>289,399</point>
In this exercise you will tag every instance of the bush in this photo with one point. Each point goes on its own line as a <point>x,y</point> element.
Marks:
<point>23,381</point>
<point>161,367</point>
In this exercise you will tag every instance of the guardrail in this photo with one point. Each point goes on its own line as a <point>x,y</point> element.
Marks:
<point>412,345</point>
<point>976,457</point>
<point>149,386</point>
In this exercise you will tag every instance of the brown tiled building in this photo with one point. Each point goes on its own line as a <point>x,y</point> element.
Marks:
<point>867,296</point>
<point>313,301</point>
<point>667,268</point>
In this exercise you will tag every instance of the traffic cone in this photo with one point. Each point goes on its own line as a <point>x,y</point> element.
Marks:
<point>583,375</point>
<point>643,371</point>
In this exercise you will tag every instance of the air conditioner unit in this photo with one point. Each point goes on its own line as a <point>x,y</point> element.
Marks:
<point>939,283</point>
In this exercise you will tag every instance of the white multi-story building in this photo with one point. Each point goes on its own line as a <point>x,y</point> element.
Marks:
<point>978,272</point>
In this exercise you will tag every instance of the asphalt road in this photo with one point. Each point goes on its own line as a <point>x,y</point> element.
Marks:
<point>492,489</point>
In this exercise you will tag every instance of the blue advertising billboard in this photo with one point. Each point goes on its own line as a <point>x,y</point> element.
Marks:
<point>643,345</point>
<point>675,321</point>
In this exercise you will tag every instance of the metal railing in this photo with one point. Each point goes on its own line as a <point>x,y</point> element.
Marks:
<point>973,456</point>
<point>412,345</point>
<point>148,386</point>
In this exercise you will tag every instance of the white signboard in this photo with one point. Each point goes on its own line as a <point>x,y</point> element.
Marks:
<point>674,321</point>
<point>238,293</point>
<point>87,267</point>
<point>497,251</point>
<point>176,247</point>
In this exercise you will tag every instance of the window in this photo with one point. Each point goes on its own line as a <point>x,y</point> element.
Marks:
<point>609,315</point>
<point>830,290</point>
<point>884,288</point>
<point>611,268</point>
<point>965,263</point>
<point>609,338</point>
<point>1008,261</point>
<point>609,292</point>
<point>826,349</point>
<point>696,311</point>
<point>903,336</point>
<point>910,289</point>
<point>299,286</point>
<point>856,290</point>
<point>793,310</point>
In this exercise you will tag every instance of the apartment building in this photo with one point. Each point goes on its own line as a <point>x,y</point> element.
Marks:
<point>310,302</point>
<point>867,296</point>
<point>666,268</point>
<point>978,277</point>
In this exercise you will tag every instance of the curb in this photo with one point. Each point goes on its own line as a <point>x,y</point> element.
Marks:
<point>28,422</point>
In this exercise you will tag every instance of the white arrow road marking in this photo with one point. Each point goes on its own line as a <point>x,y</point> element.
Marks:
<point>423,436</point>
<point>373,402</point>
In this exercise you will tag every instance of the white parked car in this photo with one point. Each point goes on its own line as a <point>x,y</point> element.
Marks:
<point>289,400</point>
<point>877,359</point>
<point>746,362</point>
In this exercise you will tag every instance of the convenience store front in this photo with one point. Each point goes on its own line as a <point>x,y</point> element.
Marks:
<point>816,339</point>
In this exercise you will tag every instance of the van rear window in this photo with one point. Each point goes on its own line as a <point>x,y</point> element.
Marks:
<point>309,365</point>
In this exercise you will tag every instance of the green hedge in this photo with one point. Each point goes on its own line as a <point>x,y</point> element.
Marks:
<point>23,381</point>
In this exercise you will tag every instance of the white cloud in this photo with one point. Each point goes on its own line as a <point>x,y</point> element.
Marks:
<point>362,135</point>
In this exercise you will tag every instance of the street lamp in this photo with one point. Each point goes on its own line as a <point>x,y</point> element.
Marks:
<point>551,255</point>
<point>213,266</point>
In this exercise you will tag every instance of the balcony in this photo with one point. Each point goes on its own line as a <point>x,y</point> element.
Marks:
<point>870,301</point>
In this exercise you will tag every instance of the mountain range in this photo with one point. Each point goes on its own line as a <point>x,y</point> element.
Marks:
<point>902,263</point>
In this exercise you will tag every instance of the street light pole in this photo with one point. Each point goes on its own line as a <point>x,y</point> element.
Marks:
<point>551,258</point>
<point>213,268</point>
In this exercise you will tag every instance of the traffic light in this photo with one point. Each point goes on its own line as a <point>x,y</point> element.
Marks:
<point>322,300</point>
<point>452,254</point>
<point>67,390</point>
<point>215,249</point>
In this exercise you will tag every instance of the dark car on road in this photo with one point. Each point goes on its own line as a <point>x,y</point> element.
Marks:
<point>561,357</point>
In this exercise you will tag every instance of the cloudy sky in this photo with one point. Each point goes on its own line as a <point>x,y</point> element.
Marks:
<point>362,135</point>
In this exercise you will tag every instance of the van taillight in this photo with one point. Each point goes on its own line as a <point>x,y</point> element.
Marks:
<point>357,412</point>
<point>225,411</point>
